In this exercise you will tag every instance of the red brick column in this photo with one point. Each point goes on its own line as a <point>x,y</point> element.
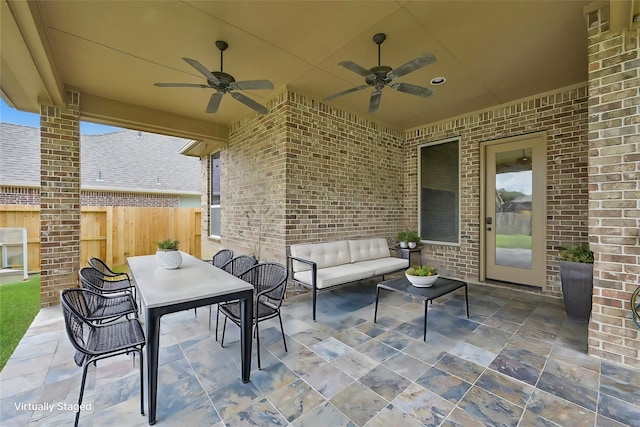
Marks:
<point>614,194</point>
<point>59,199</point>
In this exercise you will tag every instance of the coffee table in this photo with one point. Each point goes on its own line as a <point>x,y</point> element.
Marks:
<point>441,286</point>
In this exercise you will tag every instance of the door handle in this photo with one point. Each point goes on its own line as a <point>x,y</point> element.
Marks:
<point>489,221</point>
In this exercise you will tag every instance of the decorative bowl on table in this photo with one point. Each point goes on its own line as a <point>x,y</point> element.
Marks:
<point>422,281</point>
<point>421,276</point>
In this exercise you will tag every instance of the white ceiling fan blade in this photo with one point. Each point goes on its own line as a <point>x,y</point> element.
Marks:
<point>411,89</point>
<point>249,102</point>
<point>374,102</point>
<point>421,61</point>
<point>252,85</point>
<point>180,85</point>
<point>214,102</point>
<point>203,70</point>
<point>350,65</point>
<point>345,92</point>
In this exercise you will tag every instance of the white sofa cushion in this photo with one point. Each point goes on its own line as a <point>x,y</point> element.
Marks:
<point>366,249</point>
<point>336,275</point>
<point>325,255</point>
<point>384,265</point>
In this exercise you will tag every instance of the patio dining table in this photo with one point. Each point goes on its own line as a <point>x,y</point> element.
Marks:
<point>194,284</point>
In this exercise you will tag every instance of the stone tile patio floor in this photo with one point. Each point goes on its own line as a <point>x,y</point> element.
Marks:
<point>518,361</point>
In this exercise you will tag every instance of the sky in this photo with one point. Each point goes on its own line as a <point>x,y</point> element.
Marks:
<point>11,115</point>
<point>515,181</point>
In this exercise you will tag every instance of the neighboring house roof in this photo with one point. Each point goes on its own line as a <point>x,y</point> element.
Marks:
<point>126,160</point>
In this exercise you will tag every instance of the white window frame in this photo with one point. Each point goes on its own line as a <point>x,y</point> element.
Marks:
<point>214,208</point>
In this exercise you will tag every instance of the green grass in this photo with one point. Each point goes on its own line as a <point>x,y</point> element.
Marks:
<point>513,241</point>
<point>19,304</point>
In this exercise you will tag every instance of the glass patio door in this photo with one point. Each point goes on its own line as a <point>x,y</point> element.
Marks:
<point>514,210</point>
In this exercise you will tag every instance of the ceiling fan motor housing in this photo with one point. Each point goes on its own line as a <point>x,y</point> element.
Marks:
<point>224,78</point>
<point>379,77</point>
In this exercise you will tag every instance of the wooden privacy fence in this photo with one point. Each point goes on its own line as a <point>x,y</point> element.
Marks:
<point>113,233</point>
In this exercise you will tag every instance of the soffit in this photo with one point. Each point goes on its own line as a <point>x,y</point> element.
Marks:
<point>491,52</point>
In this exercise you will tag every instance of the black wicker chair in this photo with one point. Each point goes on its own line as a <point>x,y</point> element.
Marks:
<point>236,267</point>
<point>110,275</point>
<point>96,342</point>
<point>95,279</point>
<point>269,280</point>
<point>222,257</point>
<point>219,259</point>
<point>104,308</point>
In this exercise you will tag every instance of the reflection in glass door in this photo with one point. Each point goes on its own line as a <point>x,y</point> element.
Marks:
<point>514,223</point>
<point>514,196</point>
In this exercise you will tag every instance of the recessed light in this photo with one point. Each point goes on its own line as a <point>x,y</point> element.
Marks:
<point>438,81</point>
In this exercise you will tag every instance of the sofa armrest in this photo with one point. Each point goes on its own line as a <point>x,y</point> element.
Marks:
<point>314,273</point>
<point>312,264</point>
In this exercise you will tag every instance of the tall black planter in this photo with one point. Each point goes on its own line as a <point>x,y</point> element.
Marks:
<point>577,288</point>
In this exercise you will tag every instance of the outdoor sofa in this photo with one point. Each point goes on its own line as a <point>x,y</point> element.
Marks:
<point>319,266</point>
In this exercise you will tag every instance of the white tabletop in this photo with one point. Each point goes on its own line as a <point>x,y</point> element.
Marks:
<point>194,280</point>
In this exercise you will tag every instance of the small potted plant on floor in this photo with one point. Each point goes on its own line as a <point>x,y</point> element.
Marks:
<point>168,255</point>
<point>413,238</point>
<point>422,276</point>
<point>576,277</point>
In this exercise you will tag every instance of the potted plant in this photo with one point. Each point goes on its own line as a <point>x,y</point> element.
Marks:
<point>402,239</point>
<point>167,255</point>
<point>576,277</point>
<point>422,276</point>
<point>413,238</point>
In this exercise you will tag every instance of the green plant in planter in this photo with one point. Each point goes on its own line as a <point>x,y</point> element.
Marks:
<point>412,236</point>
<point>421,270</point>
<point>402,236</point>
<point>168,245</point>
<point>580,253</point>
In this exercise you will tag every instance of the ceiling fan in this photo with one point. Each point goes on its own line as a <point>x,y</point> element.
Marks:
<point>224,83</point>
<point>380,76</point>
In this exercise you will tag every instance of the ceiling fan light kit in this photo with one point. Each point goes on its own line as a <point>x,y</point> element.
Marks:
<point>382,75</point>
<point>224,83</point>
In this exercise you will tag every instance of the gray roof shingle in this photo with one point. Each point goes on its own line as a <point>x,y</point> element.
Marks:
<point>126,160</point>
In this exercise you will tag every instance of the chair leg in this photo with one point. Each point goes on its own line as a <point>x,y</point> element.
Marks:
<point>224,328</point>
<point>217,317</point>
<point>82,384</point>
<point>209,317</point>
<point>284,340</point>
<point>258,344</point>
<point>141,383</point>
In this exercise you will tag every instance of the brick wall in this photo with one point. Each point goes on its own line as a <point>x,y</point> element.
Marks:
<point>59,199</point>
<point>324,174</point>
<point>563,116</point>
<point>614,192</point>
<point>253,184</point>
<point>308,172</point>
<point>344,174</point>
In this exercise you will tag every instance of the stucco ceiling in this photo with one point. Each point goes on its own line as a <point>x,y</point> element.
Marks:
<point>490,52</point>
